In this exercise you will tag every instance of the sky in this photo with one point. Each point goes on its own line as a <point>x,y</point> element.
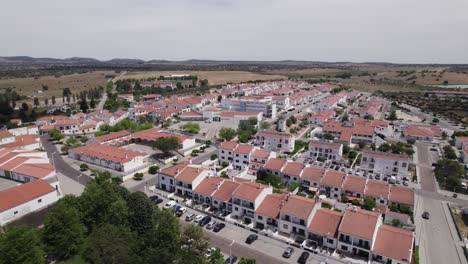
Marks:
<point>399,31</point>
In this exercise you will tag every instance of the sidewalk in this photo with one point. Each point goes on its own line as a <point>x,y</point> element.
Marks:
<point>454,234</point>
<point>69,186</point>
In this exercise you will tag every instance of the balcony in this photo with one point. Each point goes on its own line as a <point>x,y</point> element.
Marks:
<point>362,245</point>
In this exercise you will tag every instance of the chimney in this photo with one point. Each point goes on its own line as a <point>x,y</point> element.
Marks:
<point>177,171</point>
<point>217,186</point>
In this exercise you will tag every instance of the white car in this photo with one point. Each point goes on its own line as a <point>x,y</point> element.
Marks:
<point>170,204</point>
<point>198,218</point>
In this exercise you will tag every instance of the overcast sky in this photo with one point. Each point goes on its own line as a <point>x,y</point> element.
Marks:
<point>407,31</point>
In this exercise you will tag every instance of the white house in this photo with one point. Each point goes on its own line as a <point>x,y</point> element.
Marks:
<point>188,179</point>
<point>26,198</point>
<point>331,184</point>
<point>296,215</point>
<point>323,229</point>
<point>357,231</point>
<point>275,141</point>
<point>393,245</point>
<point>247,198</point>
<point>386,164</point>
<point>267,214</point>
<point>110,157</point>
<point>326,150</point>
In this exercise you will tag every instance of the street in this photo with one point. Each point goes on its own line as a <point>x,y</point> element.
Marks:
<point>435,235</point>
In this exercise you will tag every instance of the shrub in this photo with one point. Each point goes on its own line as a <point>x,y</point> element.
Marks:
<point>153,169</point>
<point>84,166</point>
<point>213,156</point>
<point>138,176</point>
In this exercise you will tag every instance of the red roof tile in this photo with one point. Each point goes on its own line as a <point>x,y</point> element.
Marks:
<point>393,242</point>
<point>275,164</point>
<point>377,189</point>
<point>298,206</point>
<point>249,191</point>
<point>333,178</point>
<point>354,184</point>
<point>23,193</point>
<point>271,205</point>
<point>293,168</point>
<point>326,222</point>
<point>208,185</point>
<point>312,173</point>
<point>359,222</point>
<point>224,193</point>
<point>401,195</point>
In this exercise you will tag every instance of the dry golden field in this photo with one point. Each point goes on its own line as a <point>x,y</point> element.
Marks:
<point>76,83</point>
<point>214,77</point>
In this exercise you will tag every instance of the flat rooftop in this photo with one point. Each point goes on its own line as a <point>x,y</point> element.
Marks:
<point>7,184</point>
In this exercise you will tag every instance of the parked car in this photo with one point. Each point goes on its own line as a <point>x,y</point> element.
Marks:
<point>181,211</point>
<point>405,183</point>
<point>426,215</point>
<point>230,260</point>
<point>303,258</point>
<point>170,204</point>
<point>211,225</point>
<point>198,218</point>
<point>251,238</point>
<point>205,220</point>
<point>154,197</point>
<point>219,226</point>
<point>158,201</point>
<point>288,252</point>
<point>190,217</point>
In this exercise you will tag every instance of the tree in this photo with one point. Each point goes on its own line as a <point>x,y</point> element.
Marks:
<point>167,144</point>
<point>153,169</point>
<point>63,233</point>
<point>36,101</point>
<point>244,137</point>
<point>444,135</point>
<point>140,212</point>
<point>448,173</point>
<point>265,125</point>
<point>411,141</point>
<point>71,141</point>
<point>25,107</point>
<point>369,203</point>
<point>385,147</point>
<point>292,186</point>
<point>111,244</point>
<point>84,166</point>
<point>216,257</point>
<point>138,176</point>
<point>55,134</point>
<point>213,156</point>
<point>219,98</point>
<point>21,245</point>
<point>227,133</point>
<point>46,101</point>
<point>53,99</point>
<point>92,103</point>
<point>345,117</point>
<point>194,245</point>
<point>393,116</point>
<point>293,119</point>
<point>247,261</point>
<point>328,136</point>
<point>84,139</point>
<point>449,153</point>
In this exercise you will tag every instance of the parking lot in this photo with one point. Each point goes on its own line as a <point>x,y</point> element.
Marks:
<point>232,238</point>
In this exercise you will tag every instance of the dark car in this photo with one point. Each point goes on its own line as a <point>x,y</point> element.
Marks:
<point>158,201</point>
<point>303,258</point>
<point>230,260</point>
<point>154,197</point>
<point>205,220</point>
<point>219,226</point>
<point>288,252</point>
<point>251,238</point>
<point>426,215</point>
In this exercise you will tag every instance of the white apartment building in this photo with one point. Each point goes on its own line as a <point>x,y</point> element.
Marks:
<point>266,106</point>
<point>259,158</point>
<point>267,214</point>
<point>386,164</point>
<point>247,198</point>
<point>323,229</point>
<point>331,184</point>
<point>357,231</point>
<point>275,141</point>
<point>188,179</point>
<point>326,150</point>
<point>296,215</point>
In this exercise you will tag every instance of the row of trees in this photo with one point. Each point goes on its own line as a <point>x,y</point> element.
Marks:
<point>107,224</point>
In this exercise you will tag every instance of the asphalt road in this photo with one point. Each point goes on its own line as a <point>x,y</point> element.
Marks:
<point>60,165</point>
<point>425,159</point>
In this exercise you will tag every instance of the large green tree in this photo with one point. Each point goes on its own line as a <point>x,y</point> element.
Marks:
<point>167,144</point>
<point>21,245</point>
<point>111,244</point>
<point>194,245</point>
<point>227,133</point>
<point>141,212</point>
<point>63,233</point>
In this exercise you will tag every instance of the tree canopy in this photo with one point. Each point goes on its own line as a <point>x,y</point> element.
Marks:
<point>167,144</point>
<point>227,133</point>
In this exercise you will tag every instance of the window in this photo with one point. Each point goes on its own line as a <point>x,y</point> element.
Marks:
<point>285,226</point>
<point>39,201</point>
<point>330,241</point>
<point>259,217</point>
<point>16,212</point>
<point>162,178</point>
<point>237,155</point>
<point>236,209</point>
<point>403,164</point>
<point>344,248</point>
<point>245,156</point>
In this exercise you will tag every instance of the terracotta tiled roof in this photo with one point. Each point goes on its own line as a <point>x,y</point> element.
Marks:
<point>189,174</point>
<point>359,222</point>
<point>224,193</point>
<point>208,185</point>
<point>113,135</point>
<point>174,170</point>
<point>326,222</point>
<point>271,205</point>
<point>355,184</point>
<point>324,144</point>
<point>275,164</point>
<point>393,242</point>
<point>261,154</point>
<point>270,134</point>
<point>23,193</point>
<point>401,195</point>
<point>249,191</point>
<point>333,178</point>
<point>293,168</point>
<point>107,152</point>
<point>228,145</point>
<point>298,206</point>
<point>377,189</point>
<point>36,170</point>
<point>312,173</point>
<point>243,148</point>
